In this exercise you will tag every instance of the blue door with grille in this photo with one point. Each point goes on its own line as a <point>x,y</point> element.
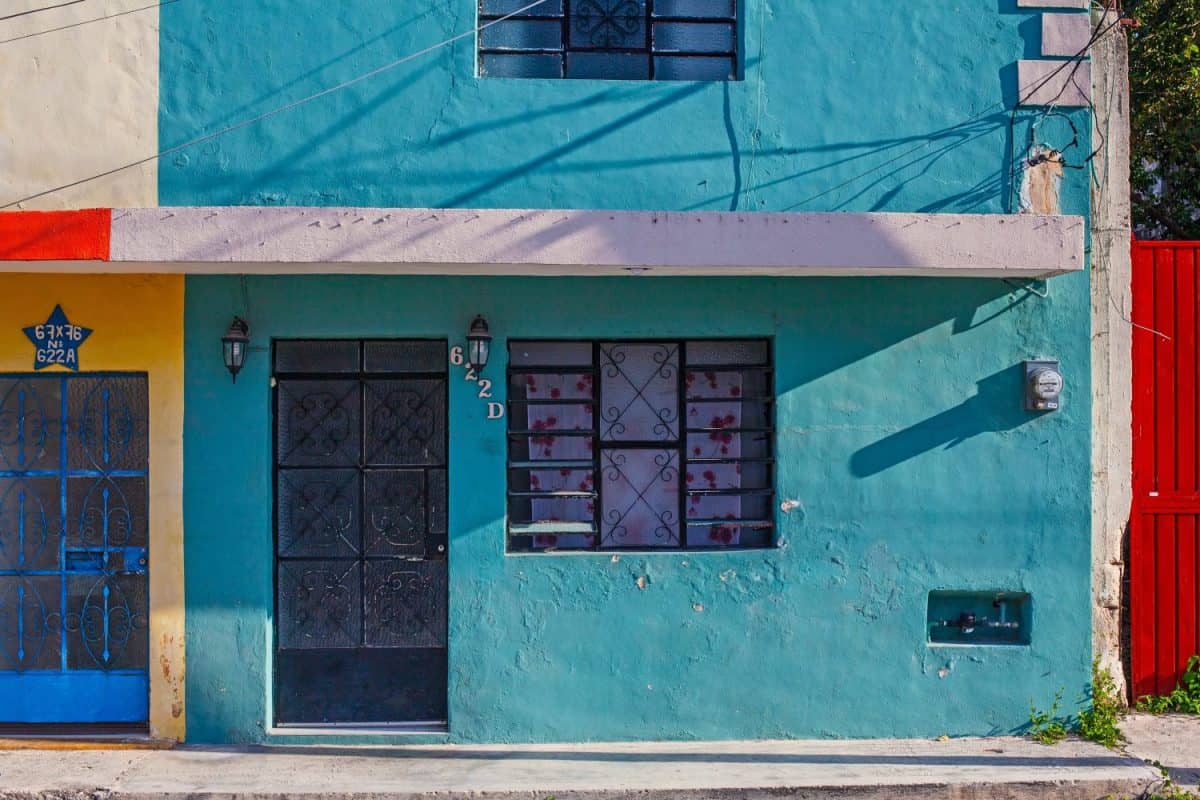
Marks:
<point>74,605</point>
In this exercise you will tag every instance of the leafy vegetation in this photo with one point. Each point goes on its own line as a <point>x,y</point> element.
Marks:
<point>1164,52</point>
<point>1046,726</point>
<point>1184,700</point>
<point>1172,791</point>
<point>1169,789</point>
<point>1099,723</point>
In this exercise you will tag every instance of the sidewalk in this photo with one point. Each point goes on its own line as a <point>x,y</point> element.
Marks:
<point>963,769</point>
<point>1172,740</point>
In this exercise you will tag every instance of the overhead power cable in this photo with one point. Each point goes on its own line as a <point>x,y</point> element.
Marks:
<point>472,32</point>
<point>40,10</point>
<point>1073,62</point>
<point>1052,110</point>
<point>88,21</point>
<point>279,110</point>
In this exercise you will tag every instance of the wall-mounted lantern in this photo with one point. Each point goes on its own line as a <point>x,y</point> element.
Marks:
<point>479,344</point>
<point>234,345</point>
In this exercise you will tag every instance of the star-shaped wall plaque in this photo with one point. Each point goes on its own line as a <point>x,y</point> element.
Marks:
<point>57,341</point>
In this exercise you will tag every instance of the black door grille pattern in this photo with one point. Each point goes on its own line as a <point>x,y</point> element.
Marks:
<point>360,520</point>
<point>609,39</point>
<point>640,445</point>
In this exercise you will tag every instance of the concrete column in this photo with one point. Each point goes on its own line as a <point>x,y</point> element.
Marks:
<point>1111,265</point>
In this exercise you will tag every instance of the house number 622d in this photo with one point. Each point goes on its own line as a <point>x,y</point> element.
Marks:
<point>495,410</point>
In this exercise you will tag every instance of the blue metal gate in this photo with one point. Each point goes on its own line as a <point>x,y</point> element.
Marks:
<point>74,606</point>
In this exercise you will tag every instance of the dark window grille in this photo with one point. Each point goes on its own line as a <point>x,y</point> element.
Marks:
<point>640,445</point>
<point>609,39</point>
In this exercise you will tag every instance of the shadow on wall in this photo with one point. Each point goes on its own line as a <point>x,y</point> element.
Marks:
<point>371,155</point>
<point>499,623</point>
<point>990,410</point>
<point>879,169</point>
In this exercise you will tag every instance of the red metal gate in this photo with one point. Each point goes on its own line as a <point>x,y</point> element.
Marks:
<point>1164,546</point>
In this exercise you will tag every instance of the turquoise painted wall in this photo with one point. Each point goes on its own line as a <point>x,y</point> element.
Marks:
<point>900,426</point>
<point>849,105</point>
<point>903,440</point>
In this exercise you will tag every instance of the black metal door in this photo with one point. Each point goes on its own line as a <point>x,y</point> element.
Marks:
<point>360,545</point>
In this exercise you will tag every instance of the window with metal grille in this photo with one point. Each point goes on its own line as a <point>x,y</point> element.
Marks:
<point>640,445</point>
<point>682,40</point>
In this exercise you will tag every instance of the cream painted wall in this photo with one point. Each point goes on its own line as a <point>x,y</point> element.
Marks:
<point>78,102</point>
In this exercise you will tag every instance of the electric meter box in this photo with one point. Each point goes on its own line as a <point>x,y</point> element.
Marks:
<point>1043,385</point>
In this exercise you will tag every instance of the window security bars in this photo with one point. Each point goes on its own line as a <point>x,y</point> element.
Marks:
<point>610,39</point>
<point>640,445</point>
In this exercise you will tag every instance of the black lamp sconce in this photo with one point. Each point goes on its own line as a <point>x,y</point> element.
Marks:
<point>234,345</point>
<point>479,344</point>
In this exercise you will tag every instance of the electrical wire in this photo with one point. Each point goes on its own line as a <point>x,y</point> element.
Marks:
<point>478,29</point>
<point>81,23</point>
<point>40,10</point>
<point>1101,253</point>
<point>278,110</point>
<point>1075,62</point>
<point>974,118</point>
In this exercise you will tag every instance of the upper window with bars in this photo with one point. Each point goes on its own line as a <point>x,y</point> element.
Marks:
<point>688,40</point>
<point>632,445</point>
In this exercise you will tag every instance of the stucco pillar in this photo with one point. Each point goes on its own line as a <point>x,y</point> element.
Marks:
<point>1111,345</point>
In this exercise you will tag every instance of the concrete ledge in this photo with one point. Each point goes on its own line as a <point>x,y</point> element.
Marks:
<point>1055,83</point>
<point>568,242</point>
<point>573,242</point>
<point>964,769</point>
<point>1065,35</point>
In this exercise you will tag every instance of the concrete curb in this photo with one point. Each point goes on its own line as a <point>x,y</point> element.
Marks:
<point>1033,790</point>
<point>958,769</point>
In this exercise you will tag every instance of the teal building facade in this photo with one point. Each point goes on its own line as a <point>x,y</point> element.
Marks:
<point>909,550</point>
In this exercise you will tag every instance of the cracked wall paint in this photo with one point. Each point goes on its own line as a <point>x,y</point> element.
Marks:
<point>962,490</point>
<point>1041,181</point>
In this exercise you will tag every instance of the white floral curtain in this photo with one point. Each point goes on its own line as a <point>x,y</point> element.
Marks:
<point>639,488</point>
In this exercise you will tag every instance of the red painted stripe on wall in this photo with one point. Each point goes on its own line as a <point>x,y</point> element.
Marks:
<point>55,235</point>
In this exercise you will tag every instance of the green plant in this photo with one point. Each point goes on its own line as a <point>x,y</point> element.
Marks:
<point>1170,790</point>
<point>1164,76</point>
<point>1184,700</point>
<point>1099,722</point>
<point>1045,726</point>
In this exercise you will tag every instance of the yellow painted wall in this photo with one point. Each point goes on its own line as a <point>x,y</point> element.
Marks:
<point>137,323</point>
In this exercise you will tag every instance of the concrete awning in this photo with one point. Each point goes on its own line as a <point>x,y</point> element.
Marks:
<point>210,240</point>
